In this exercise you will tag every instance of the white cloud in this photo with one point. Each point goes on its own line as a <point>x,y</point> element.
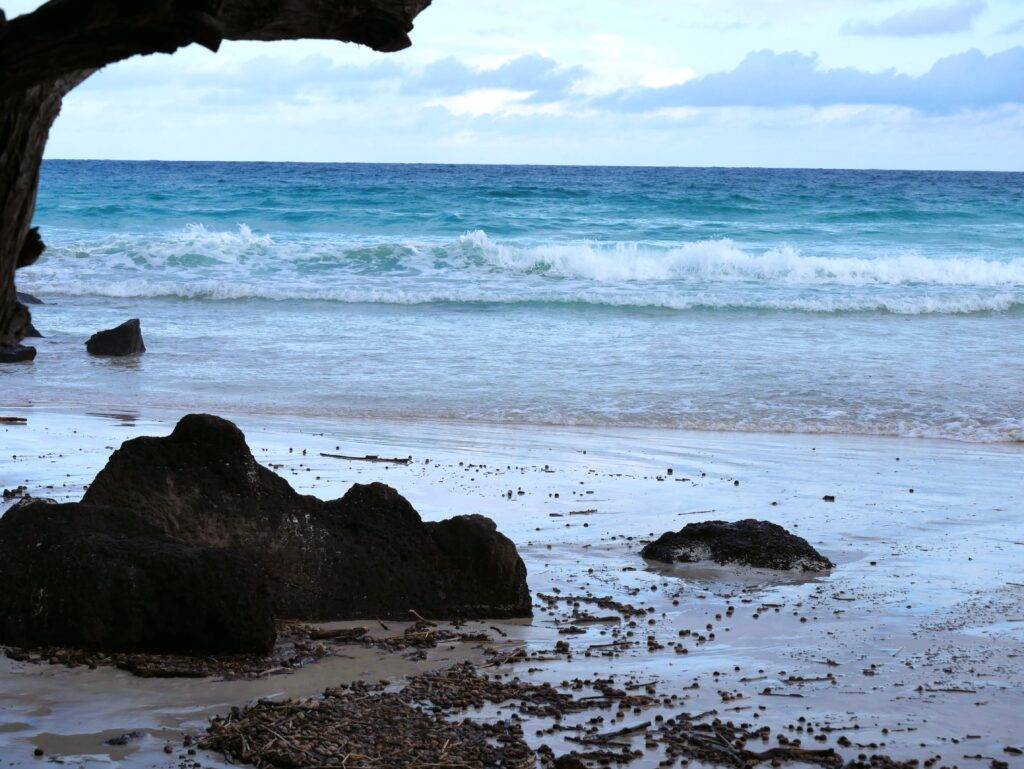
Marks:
<point>602,81</point>
<point>482,101</point>
<point>941,19</point>
<point>664,77</point>
<point>1013,27</point>
<point>969,80</point>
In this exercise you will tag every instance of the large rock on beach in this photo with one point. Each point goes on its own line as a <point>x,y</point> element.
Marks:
<point>185,544</point>
<point>100,578</point>
<point>368,554</point>
<point>18,353</point>
<point>125,339</point>
<point>760,544</point>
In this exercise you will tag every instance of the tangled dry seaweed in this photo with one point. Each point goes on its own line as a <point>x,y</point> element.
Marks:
<point>361,726</point>
<point>354,729</point>
<point>298,644</point>
<point>292,651</point>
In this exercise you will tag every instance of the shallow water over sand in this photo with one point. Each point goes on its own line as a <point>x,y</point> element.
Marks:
<point>922,614</point>
<point>878,303</point>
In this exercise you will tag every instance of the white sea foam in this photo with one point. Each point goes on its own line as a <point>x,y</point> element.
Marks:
<point>958,304</point>
<point>724,260</point>
<point>199,263</point>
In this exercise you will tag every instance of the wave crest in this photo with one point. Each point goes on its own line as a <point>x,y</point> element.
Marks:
<point>722,259</point>
<point>198,263</point>
<point>470,295</point>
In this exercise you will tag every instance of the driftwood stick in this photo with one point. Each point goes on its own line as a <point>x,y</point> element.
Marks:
<point>618,733</point>
<point>419,618</point>
<point>370,458</point>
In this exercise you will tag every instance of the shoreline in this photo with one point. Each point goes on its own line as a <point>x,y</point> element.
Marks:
<point>284,421</point>
<point>925,582</point>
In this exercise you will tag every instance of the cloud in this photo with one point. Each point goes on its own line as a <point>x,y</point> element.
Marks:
<point>940,19</point>
<point>530,78</point>
<point>1013,28</point>
<point>538,75</point>
<point>533,84</point>
<point>967,80</point>
<point>263,79</point>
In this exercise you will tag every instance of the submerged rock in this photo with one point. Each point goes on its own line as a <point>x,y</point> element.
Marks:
<point>368,554</point>
<point>101,578</point>
<point>18,353</point>
<point>125,339</point>
<point>125,739</point>
<point>27,298</point>
<point>761,544</point>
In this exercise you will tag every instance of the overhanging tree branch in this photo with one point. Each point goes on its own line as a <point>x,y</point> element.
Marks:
<point>64,36</point>
<point>46,53</point>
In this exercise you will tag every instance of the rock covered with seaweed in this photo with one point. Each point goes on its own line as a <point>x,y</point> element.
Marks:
<point>759,544</point>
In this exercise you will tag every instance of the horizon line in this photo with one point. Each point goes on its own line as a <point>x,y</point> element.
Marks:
<point>865,169</point>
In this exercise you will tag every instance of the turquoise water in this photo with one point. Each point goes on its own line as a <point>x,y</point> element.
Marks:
<point>884,303</point>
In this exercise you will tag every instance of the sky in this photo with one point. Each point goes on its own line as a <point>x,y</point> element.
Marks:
<point>912,84</point>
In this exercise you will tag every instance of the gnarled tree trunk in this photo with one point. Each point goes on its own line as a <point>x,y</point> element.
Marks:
<point>46,53</point>
<point>25,120</point>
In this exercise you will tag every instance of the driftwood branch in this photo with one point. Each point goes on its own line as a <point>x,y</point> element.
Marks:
<point>369,458</point>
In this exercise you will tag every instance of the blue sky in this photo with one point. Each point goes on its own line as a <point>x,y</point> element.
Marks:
<point>820,83</point>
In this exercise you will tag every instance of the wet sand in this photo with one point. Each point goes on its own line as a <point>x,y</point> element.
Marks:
<point>914,644</point>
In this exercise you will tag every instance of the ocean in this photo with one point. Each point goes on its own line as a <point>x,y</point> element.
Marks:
<point>810,301</point>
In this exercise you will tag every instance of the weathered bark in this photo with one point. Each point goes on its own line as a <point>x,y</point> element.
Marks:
<point>46,53</point>
<point>25,120</point>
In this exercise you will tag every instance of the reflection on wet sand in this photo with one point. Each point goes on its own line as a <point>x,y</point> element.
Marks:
<point>910,647</point>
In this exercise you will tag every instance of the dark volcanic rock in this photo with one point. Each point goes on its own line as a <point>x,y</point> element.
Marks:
<point>126,738</point>
<point>126,339</point>
<point>31,332</point>
<point>100,578</point>
<point>17,354</point>
<point>28,298</point>
<point>367,554</point>
<point>186,545</point>
<point>760,544</point>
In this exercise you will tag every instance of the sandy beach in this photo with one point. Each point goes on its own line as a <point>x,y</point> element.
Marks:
<point>609,385</point>
<point>911,647</point>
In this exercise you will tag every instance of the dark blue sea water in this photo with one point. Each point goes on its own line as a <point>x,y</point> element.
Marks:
<point>737,299</point>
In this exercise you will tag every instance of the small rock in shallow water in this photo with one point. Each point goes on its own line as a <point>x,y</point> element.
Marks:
<point>17,353</point>
<point>125,339</point>
<point>760,544</point>
<point>124,739</point>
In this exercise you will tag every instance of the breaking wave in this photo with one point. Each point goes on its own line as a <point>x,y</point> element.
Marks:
<point>724,260</point>
<point>199,263</point>
<point>229,290</point>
